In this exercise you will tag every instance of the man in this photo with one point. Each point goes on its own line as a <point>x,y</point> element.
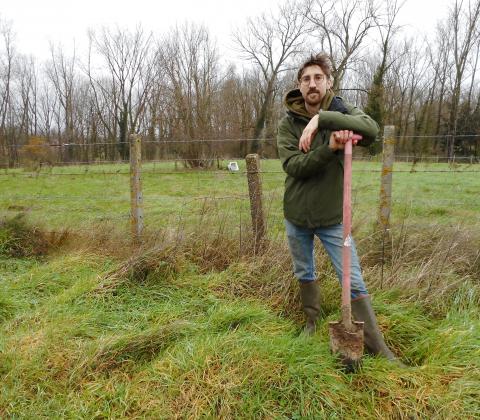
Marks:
<point>310,143</point>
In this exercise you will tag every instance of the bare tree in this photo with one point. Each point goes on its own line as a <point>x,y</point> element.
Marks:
<point>129,58</point>
<point>473,61</point>
<point>385,23</point>
<point>27,82</point>
<point>463,24</point>
<point>342,27</point>
<point>415,68</point>
<point>7,58</point>
<point>155,119</point>
<point>237,107</point>
<point>270,42</point>
<point>190,62</point>
<point>47,105</point>
<point>62,74</point>
<point>440,62</point>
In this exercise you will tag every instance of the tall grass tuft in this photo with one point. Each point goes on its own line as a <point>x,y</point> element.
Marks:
<point>436,265</point>
<point>162,262</point>
<point>18,239</point>
<point>134,348</point>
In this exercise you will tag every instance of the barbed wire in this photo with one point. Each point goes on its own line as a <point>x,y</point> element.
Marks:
<point>102,198</point>
<point>187,214</point>
<point>433,136</point>
<point>127,162</point>
<point>431,201</point>
<point>76,209</point>
<point>229,140</point>
<point>155,142</point>
<point>91,173</point>
<point>86,165</point>
<point>69,197</point>
<point>190,199</point>
<point>144,162</point>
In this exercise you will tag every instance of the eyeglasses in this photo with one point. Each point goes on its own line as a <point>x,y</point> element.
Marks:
<point>318,78</point>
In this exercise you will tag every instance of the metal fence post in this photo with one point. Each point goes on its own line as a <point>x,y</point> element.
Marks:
<point>136,195</point>
<point>256,203</point>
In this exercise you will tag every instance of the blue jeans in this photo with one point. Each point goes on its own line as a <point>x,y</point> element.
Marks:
<point>300,242</point>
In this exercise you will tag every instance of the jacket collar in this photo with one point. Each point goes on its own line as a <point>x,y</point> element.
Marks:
<point>295,103</point>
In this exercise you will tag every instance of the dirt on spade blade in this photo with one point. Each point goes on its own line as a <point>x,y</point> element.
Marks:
<point>348,345</point>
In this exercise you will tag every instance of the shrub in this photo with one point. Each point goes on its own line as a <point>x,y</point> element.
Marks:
<point>36,153</point>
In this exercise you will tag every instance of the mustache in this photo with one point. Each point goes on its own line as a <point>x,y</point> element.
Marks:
<point>313,91</point>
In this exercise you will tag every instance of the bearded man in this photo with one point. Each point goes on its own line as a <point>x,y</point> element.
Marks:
<point>310,143</point>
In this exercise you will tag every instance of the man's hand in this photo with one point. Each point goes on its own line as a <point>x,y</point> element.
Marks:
<point>339,138</point>
<point>308,134</point>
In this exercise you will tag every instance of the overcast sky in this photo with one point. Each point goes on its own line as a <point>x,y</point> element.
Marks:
<point>37,22</point>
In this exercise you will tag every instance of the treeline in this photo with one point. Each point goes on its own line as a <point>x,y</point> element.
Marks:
<point>177,92</point>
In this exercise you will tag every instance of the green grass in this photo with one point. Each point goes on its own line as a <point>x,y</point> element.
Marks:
<point>85,196</point>
<point>196,328</point>
<point>183,346</point>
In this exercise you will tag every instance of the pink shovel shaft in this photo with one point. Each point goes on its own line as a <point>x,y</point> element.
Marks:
<point>347,238</point>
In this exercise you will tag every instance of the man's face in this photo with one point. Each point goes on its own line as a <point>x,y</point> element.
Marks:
<point>314,84</point>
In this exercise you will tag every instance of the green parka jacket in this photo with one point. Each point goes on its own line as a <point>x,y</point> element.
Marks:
<point>314,184</point>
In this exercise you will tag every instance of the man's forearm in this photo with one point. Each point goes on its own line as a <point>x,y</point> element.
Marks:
<point>358,122</point>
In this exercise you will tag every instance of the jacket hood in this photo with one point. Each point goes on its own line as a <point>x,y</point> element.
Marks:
<point>296,104</point>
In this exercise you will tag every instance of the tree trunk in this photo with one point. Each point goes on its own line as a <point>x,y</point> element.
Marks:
<point>262,116</point>
<point>122,145</point>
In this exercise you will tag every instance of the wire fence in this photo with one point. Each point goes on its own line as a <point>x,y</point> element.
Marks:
<point>460,147</point>
<point>82,194</point>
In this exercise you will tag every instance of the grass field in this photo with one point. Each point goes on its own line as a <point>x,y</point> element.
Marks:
<point>78,196</point>
<point>193,325</point>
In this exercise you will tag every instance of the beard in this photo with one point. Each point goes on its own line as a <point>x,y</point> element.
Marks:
<point>313,99</point>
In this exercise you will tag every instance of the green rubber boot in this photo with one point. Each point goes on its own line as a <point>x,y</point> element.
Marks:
<point>373,339</point>
<point>310,296</point>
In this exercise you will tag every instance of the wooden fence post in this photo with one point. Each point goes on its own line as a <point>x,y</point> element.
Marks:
<point>256,202</point>
<point>386,180</point>
<point>136,195</point>
<point>385,209</point>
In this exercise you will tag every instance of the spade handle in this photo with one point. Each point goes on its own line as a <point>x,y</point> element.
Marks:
<point>347,237</point>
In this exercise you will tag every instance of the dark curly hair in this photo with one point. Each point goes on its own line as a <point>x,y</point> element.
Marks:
<point>322,60</point>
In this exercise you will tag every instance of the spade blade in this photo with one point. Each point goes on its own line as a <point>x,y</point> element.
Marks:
<point>347,344</point>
